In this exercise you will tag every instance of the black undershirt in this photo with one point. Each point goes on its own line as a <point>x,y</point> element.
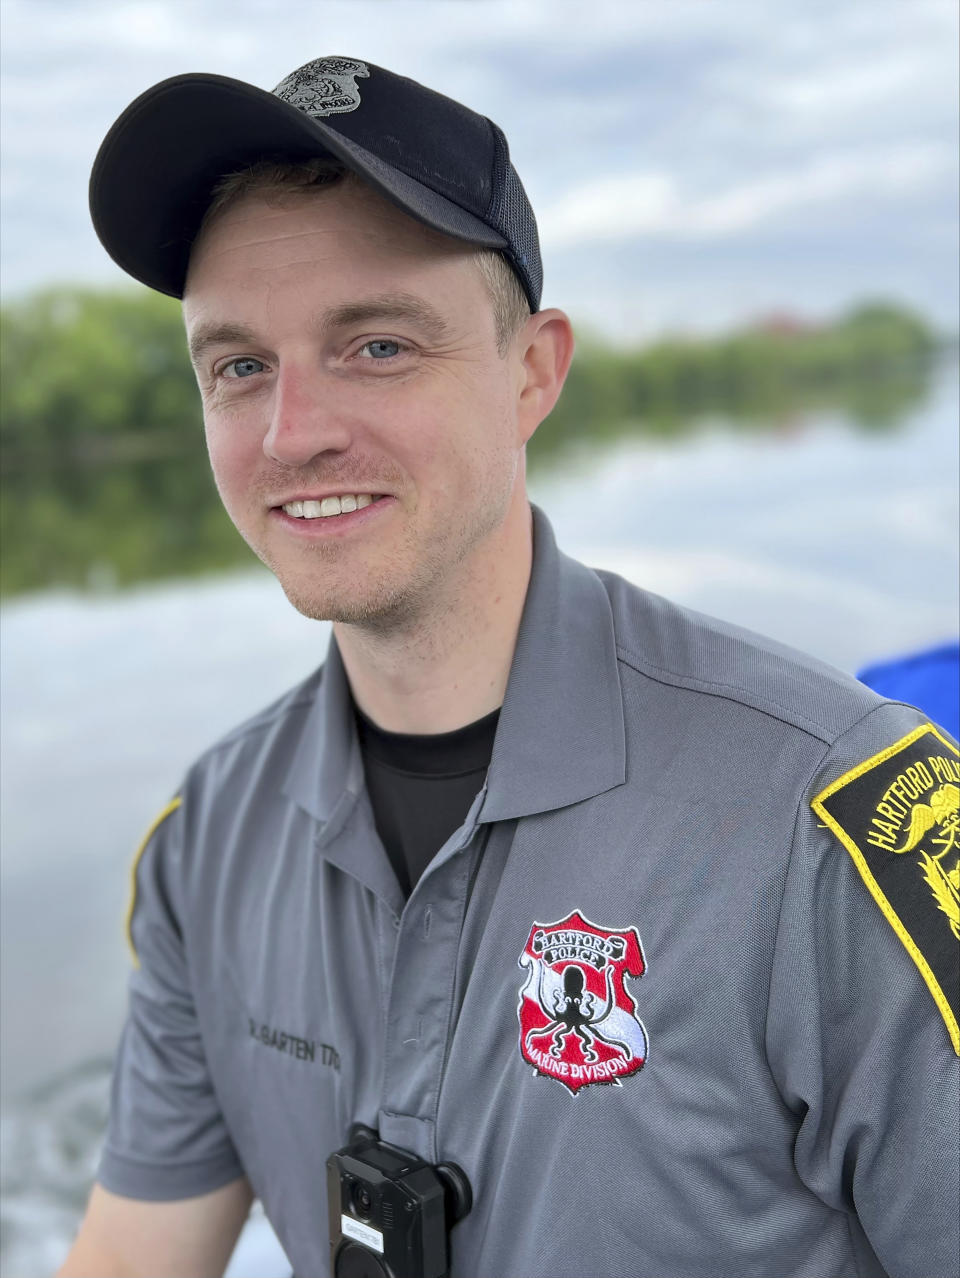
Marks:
<point>421,787</point>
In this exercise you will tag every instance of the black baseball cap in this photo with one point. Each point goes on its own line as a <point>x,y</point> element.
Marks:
<point>442,163</point>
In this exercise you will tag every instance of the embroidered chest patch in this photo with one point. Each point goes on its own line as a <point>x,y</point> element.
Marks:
<point>578,1021</point>
<point>898,815</point>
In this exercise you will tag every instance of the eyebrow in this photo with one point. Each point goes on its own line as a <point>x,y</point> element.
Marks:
<point>206,336</point>
<point>389,306</point>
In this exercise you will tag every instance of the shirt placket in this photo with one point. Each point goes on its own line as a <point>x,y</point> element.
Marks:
<point>421,997</point>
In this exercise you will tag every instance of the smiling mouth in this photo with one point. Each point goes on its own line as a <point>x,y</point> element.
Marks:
<point>329,506</point>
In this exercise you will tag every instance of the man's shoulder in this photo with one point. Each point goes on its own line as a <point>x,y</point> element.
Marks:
<point>682,648</point>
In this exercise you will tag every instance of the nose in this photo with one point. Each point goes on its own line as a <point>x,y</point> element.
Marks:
<point>306,419</point>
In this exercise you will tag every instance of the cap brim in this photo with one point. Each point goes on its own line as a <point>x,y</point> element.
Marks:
<point>154,174</point>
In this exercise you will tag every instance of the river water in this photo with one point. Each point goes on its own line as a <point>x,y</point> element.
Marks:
<point>836,541</point>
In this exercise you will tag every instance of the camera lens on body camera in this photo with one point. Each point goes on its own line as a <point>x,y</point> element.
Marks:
<point>361,1199</point>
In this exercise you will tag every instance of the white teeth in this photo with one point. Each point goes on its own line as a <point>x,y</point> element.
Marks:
<point>329,506</point>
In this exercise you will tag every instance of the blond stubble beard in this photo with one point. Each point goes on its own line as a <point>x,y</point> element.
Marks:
<point>398,601</point>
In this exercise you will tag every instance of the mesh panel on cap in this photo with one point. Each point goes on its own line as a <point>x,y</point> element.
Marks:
<point>518,225</point>
<point>510,213</point>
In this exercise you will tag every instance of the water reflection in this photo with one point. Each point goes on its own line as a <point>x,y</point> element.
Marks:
<point>105,482</point>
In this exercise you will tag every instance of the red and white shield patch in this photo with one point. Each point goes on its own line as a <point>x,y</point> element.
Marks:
<point>578,1023</point>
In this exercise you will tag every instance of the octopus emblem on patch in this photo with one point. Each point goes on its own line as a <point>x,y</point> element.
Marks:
<point>578,1021</point>
<point>326,86</point>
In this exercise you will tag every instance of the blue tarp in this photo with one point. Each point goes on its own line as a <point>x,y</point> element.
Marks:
<point>929,680</point>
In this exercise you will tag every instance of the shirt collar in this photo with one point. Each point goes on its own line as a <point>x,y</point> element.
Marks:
<point>326,775</point>
<point>560,738</point>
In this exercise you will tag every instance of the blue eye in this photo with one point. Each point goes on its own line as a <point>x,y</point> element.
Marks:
<point>243,368</point>
<point>382,349</point>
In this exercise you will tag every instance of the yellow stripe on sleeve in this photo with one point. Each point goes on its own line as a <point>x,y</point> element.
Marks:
<point>159,820</point>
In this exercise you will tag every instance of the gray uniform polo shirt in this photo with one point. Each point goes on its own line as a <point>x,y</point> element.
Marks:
<point>646,996</point>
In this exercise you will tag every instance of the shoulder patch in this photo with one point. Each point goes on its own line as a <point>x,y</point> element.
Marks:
<point>898,815</point>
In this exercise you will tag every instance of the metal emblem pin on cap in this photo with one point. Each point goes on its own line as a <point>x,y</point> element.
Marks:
<point>324,86</point>
<point>440,162</point>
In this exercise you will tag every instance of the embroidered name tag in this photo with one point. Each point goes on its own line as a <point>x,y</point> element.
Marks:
<point>898,815</point>
<point>304,1049</point>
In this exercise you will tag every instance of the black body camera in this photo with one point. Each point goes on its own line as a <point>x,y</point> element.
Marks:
<point>390,1212</point>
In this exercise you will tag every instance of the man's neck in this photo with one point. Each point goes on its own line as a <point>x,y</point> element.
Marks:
<point>449,668</point>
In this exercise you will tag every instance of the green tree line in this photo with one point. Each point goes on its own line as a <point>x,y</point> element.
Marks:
<point>102,463</point>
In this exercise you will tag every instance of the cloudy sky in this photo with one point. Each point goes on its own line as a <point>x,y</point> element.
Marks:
<point>693,163</point>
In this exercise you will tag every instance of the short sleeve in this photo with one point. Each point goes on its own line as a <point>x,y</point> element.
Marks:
<point>166,1137</point>
<point>860,1039</point>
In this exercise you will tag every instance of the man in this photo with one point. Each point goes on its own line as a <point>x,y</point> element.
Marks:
<point>646,924</point>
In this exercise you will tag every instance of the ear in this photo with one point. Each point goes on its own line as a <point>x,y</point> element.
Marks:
<point>545,347</point>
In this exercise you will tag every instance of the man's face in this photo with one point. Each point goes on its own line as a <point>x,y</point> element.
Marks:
<point>342,350</point>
